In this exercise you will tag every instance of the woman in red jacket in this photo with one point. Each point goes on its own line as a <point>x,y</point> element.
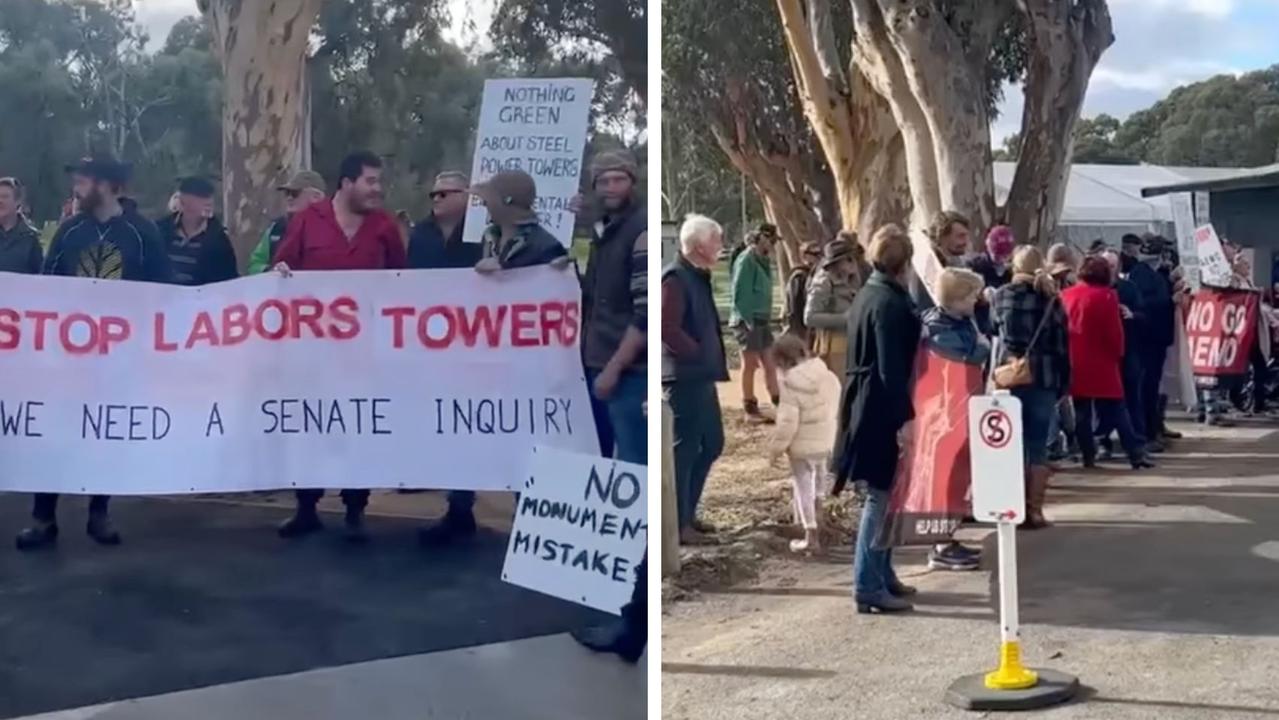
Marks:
<point>1096,352</point>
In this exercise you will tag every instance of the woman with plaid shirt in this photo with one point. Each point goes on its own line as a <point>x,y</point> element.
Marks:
<point>1031,323</point>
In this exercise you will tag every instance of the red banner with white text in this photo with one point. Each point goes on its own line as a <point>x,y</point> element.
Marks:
<point>1221,328</point>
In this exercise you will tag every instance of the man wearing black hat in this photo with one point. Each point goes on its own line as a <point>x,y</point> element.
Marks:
<point>1141,257</point>
<point>830,294</point>
<point>514,239</point>
<point>105,240</point>
<point>198,245</point>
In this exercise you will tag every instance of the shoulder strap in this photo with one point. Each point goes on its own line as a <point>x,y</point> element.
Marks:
<point>1043,321</point>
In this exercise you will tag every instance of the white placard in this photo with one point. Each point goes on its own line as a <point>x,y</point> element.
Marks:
<point>414,378</point>
<point>1213,266</point>
<point>1184,221</point>
<point>537,125</point>
<point>998,465</point>
<point>581,528</point>
<point>1203,214</point>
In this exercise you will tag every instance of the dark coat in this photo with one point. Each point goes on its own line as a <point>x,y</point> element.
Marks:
<point>883,337</point>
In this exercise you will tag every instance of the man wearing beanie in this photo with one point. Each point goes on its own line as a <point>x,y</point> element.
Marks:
<point>615,308</point>
<point>198,245</point>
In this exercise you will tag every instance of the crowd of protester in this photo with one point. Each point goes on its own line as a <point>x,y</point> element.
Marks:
<point>1081,338</point>
<point>345,227</point>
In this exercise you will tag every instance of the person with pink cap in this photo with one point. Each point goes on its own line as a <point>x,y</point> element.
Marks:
<point>992,264</point>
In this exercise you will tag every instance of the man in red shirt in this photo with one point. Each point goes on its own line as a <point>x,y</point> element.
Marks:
<point>350,231</point>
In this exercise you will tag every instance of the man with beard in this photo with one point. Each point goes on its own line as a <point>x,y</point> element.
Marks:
<point>20,250</point>
<point>105,240</point>
<point>351,231</point>
<point>615,309</point>
<point>198,244</point>
<point>304,189</point>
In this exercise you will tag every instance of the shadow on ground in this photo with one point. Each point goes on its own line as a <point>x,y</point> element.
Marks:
<point>204,594</point>
<point>1129,568</point>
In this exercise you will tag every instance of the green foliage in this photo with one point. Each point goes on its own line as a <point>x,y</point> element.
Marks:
<point>77,80</point>
<point>1224,121</point>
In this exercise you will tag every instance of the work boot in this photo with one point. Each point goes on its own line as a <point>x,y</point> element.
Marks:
<point>451,528</point>
<point>41,534</point>
<point>897,588</point>
<point>1036,491</point>
<point>353,530</point>
<point>613,638</point>
<point>102,530</point>
<point>885,603</point>
<point>304,522</point>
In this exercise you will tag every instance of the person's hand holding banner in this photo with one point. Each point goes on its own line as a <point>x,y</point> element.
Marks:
<point>488,266</point>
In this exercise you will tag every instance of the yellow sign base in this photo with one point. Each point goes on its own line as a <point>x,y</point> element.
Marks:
<point>1011,675</point>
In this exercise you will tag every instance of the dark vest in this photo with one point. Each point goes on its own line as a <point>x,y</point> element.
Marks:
<point>606,289</point>
<point>701,322</point>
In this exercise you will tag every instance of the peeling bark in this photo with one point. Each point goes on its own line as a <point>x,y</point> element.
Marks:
<point>1067,40</point>
<point>262,46</point>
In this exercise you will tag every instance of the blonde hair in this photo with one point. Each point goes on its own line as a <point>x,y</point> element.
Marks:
<point>1029,261</point>
<point>957,285</point>
<point>890,250</point>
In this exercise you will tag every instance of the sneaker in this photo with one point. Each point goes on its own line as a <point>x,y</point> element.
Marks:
<point>886,603</point>
<point>353,530</point>
<point>449,529</point>
<point>301,524</point>
<point>40,535</point>
<point>958,550</point>
<point>948,559</point>
<point>102,530</point>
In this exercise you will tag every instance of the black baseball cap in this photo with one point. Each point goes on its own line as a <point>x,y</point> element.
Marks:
<point>102,167</point>
<point>197,186</point>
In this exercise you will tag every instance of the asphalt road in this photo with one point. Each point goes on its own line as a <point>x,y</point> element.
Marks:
<point>204,593</point>
<point>1157,590</point>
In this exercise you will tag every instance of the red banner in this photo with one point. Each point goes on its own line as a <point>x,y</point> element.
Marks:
<point>930,492</point>
<point>1220,329</point>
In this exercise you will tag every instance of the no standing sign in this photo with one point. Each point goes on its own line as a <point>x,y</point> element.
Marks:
<point>998,463</point>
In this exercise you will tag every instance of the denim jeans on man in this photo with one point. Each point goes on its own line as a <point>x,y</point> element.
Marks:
<point>626,418</point>
<point>873,567</point>
<point>698,442</point>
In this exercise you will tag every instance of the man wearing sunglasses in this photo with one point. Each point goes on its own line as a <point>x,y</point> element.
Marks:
<point>20,250</point>
<point>436,241</point>
<point>300,192</point>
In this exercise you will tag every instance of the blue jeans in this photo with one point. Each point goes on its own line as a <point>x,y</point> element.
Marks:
<point>626,414</point>
<point>1037,409</point>
<point>698,442</point>
<point>872,566</point>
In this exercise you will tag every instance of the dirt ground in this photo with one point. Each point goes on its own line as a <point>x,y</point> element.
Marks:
<point>749,503</point>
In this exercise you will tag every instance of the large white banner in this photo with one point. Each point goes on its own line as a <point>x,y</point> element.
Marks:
<point>537,125</point>
<point>415,378</point>
<point>581,527</point>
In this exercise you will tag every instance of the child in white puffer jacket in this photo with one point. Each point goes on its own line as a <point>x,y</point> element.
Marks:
<point>807,421</point>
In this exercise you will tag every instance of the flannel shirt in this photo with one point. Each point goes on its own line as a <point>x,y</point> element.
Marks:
<point>1017,311</point>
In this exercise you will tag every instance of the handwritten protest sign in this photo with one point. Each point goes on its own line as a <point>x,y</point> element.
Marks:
<point>1213,266</point>
<point>1221,328</point>
<point>581,527</point>
<point>537,125</point>
<point>426,378</point>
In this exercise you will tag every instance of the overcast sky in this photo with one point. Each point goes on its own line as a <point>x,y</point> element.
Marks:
<point>1160,44</point>
<point>470,18</point>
